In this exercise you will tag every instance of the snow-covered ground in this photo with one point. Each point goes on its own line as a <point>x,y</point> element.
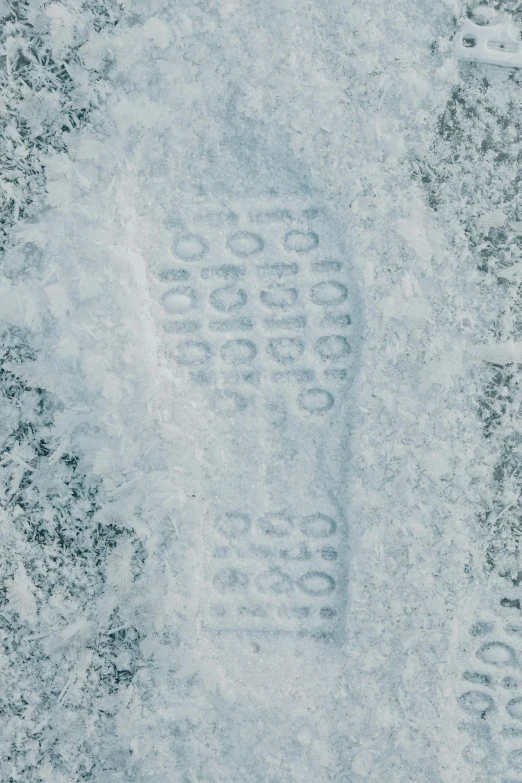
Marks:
<point>260,408</point>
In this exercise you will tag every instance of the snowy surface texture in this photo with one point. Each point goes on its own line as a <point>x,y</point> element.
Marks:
<point>260,394</point>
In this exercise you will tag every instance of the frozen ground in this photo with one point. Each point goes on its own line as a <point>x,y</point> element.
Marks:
<point>260,412</point>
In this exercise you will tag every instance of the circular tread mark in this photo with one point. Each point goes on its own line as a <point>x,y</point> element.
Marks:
<point>179,300</point>
<point>497,653</point>
<point>277,524</point>
<point>300,241</point>
<point>274,581</point>
<point>193,352</point>
<point>328,293</point>
<point>232,524</point>
<point>318,526</point>
<point>191,247</point>
<point>476,702</point>
<point>238,351</point>
<point>229,402</point>
<point>316,583</point>
<point>228,299</point>
<point>245,244</point>
<point>285,349</point>
<point>315,400</point>
<point>332,347</point>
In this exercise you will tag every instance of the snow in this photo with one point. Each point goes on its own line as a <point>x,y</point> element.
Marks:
<point>196,196</point>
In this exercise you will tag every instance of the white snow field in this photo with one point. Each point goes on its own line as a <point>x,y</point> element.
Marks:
<point>260,405</point>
